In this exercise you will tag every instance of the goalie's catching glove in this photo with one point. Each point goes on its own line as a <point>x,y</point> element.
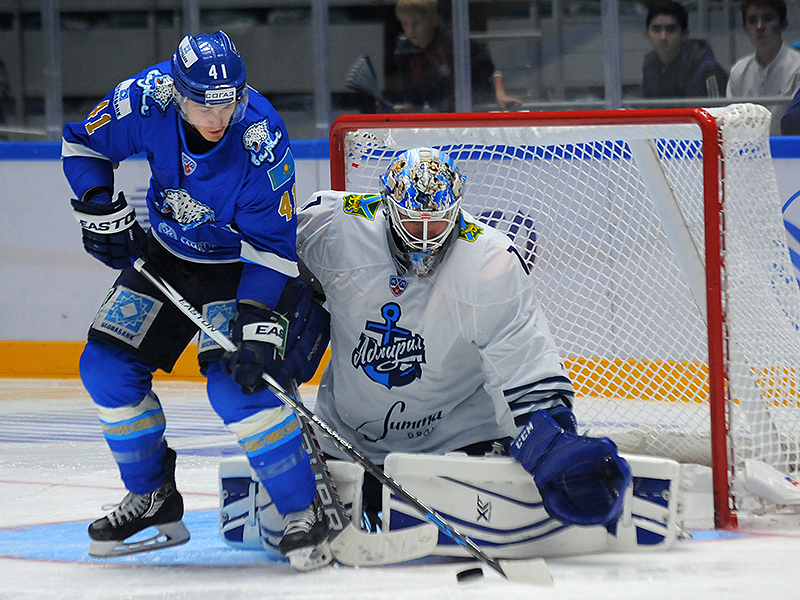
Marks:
<point>110,231</point>
<point>287,343</point>
<point>582,479</point>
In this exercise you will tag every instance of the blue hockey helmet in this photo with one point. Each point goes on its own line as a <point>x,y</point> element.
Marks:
<point>422,196</point>
<point>207,69</point>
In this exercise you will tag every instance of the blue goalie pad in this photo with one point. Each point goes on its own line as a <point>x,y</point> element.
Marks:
<point>582,479</point>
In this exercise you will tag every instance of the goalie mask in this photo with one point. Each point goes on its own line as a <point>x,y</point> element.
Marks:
<point>422,200</point>
<point>208,70</point>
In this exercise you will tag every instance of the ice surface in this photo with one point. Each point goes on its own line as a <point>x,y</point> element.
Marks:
<point>56,474</point>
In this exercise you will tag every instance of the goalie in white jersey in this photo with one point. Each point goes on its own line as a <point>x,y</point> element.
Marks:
<point>439,343</point>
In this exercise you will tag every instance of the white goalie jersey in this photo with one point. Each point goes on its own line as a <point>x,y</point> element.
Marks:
<point>425,364</point>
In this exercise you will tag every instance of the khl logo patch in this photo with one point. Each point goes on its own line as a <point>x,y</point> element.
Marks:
<point>397,285</point>
<point>189,164</point>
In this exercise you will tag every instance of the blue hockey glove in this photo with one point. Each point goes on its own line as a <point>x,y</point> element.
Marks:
<point>582,479</point>
<point>110,231</point>
<point>260,337</point>
<point>287,343</point>
<point>307,341</point>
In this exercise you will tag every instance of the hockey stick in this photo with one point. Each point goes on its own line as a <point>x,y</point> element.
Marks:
<point>349,544</point>
<point>533,571</point>
<point>326,488</point>
<point>362,78</point>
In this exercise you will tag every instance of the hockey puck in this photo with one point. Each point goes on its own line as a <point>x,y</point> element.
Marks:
<point>469,575</point>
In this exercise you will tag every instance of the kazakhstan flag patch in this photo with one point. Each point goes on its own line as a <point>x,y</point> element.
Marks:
<point>283,171</point>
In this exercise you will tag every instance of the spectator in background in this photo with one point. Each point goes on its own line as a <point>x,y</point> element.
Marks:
<point>4,92</point>
<point>678,67</point>
<point>774,69</point>
<point>424,59</point>
<point>790,122</point>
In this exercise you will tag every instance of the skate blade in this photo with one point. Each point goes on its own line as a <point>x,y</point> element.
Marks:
<point>309,559</point>
<point>169,534</point>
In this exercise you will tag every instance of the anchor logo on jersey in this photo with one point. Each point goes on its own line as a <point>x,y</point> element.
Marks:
<point>396,356</point>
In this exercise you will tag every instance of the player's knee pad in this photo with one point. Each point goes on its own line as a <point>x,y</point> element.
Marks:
<point>582,479</point>
<point>135,435</point>
<point>112,376</point>
<point>228,400</point>
<point>272,442</point>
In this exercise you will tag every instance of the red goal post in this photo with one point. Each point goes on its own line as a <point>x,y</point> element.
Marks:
<point>629,222</point>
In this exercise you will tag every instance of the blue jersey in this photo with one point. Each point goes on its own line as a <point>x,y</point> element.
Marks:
<point>234,202</point>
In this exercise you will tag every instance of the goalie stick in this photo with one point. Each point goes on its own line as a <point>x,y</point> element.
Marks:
<point>531,571</point>
<point>350,545</point>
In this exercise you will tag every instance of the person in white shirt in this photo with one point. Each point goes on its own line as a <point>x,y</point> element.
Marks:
<point>774,69</point>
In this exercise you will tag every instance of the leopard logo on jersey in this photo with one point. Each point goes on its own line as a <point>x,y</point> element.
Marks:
<point>395,357</point>
<point>260,142</point>
<point>365,206</point>
<point>185,210</point>
<point>156,91</point>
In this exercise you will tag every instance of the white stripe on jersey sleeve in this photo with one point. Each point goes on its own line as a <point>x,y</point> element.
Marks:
<point>73,149</point>
<point>270,260</point>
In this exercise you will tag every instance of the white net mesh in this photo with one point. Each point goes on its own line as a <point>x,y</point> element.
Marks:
<point>763,311</point>
<point>610,219</point>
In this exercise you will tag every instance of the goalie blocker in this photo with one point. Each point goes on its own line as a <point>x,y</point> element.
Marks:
<point>494,500</point>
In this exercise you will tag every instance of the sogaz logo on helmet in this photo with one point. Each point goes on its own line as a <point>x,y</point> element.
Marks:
<point>220,96</point>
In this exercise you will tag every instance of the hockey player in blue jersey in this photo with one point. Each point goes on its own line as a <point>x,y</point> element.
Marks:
<point>223,231</point>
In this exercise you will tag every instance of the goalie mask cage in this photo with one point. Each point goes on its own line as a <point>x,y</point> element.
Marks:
<point>657,244</point>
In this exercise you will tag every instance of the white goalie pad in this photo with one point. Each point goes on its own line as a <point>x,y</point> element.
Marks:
<point>248,519</point>
<point>495,502</point>
<point>771,485</point>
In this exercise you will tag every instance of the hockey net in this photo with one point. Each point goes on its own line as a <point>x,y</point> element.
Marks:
<point>659,252</point>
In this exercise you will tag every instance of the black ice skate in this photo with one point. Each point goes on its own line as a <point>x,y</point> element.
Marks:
<point>305,539</point>
<point>162,509</point>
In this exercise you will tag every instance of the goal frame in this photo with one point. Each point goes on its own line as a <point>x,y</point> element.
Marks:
<point>713,203</point>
